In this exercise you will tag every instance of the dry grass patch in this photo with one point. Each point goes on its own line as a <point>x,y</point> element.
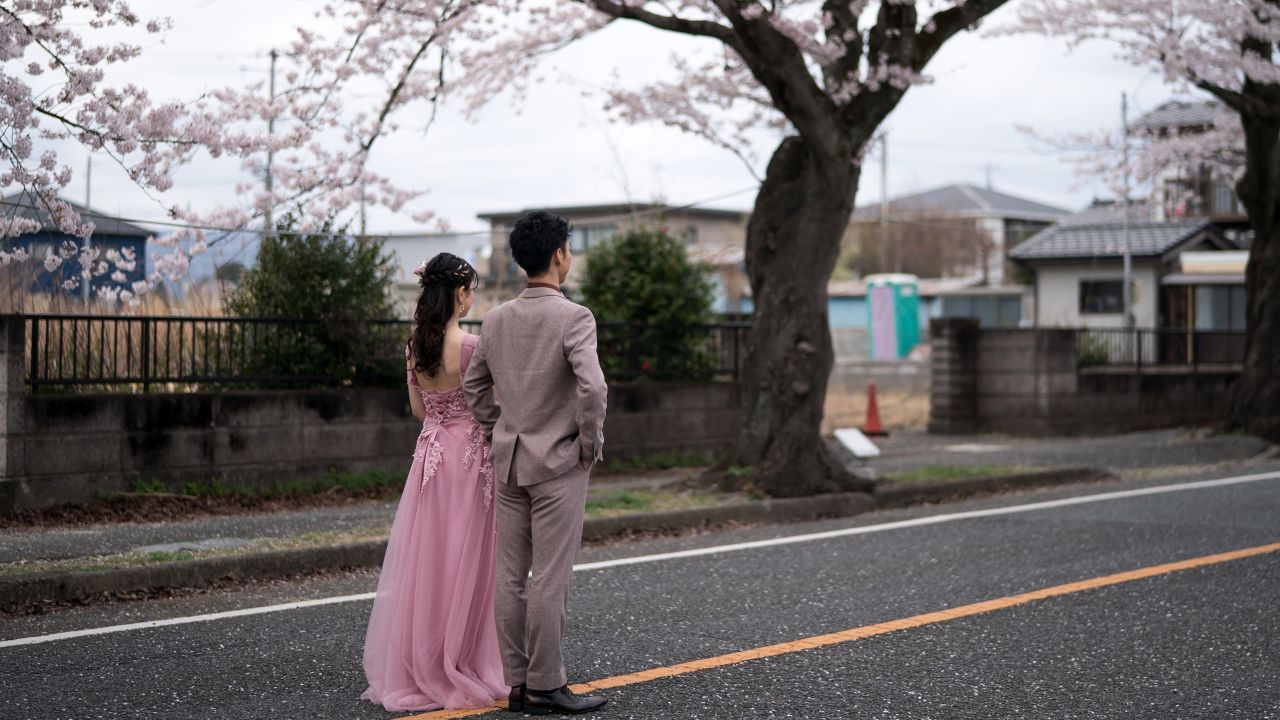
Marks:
<point>898,410</point>
<point>634,501</point>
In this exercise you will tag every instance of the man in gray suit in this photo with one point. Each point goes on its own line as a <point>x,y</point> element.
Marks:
<point>536,387</point>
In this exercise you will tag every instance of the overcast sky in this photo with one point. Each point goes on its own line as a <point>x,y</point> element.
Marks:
<point>560,149</point>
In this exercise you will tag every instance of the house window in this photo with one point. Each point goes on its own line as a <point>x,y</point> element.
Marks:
<point>990,310</point>
<point>584,237</point>
<point>1224,197</point>
<point>1220,308</point>
<point>40,249</point>
<point>1101,297</point>
<point>691,235</point>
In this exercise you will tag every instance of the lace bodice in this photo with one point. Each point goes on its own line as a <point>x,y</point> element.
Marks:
<point>442,406</point>
<point>446,407</point>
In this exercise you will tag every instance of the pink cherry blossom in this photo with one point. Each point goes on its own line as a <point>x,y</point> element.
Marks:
<point>418,54</point>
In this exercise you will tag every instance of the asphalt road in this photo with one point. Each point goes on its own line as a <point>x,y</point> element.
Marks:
<point>1198,643</point>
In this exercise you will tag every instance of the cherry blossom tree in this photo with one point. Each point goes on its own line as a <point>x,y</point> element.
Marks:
<point>1226,48</point>
<point>829,73</point>
<point>826,73</point>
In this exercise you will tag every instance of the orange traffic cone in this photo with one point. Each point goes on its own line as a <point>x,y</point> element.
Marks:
<point>873,427</point>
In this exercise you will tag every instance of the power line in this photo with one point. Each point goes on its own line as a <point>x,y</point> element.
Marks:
<point>252,231</point>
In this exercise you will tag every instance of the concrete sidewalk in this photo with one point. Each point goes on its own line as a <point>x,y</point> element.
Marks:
<point>1113,453</point>
<point>95,540</point>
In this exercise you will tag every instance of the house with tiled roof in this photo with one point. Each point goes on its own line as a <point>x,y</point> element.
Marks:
<point>1078,266</point>
<point>713,236</point>
<point>1197,189</point>
<point>109,234</point>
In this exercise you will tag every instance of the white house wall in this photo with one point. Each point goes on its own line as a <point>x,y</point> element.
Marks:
<point>1058,293</point>
<point>994,229</point>
<point>408,251</point>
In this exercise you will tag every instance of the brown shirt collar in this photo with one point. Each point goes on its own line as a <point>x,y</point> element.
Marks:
<point>545,285</point>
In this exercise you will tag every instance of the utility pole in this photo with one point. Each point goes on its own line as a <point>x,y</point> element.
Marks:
<point>1128,250</point>
<point>271,130</point>
<point>884,200</point>
<point>363,230</point>
<point>86,281</point>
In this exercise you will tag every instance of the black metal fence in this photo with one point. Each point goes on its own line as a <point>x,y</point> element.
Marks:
<point>1159,348</point>
<point>631,351</point>
<point>175,353</point>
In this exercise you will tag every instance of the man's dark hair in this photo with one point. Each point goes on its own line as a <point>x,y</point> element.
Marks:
<point>535,238</point>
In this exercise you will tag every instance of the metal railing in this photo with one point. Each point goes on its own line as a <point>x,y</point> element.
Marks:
<point>1159,348</point>
<point>632,351</point>
<point>177,353</point>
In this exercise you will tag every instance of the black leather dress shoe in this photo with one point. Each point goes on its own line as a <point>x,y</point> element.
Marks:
<point>515,701</point>
<point>560,701</point>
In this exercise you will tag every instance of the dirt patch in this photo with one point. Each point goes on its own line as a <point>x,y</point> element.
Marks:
<point>898,410</point>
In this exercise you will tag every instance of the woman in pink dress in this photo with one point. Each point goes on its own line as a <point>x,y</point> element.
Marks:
<point>432,640</point>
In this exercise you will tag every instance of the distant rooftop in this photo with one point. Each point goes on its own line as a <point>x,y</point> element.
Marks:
<point>617,212</point>
<point>25,205</point>
<point>1180,114</point>
<point>963,200</point>
<point>1106,212</point>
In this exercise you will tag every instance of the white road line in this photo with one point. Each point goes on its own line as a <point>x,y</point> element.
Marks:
<point>718,549</point>
<point>184,620</point>
<point>930,520</point>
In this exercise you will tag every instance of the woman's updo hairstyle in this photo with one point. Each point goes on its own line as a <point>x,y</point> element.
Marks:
<point>439,278</point>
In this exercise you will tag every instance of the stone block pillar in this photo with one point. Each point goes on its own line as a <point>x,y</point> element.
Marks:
<point>13,346</point>
<point>953,389</point>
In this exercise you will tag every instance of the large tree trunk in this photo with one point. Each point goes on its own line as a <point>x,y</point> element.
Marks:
<point>793,241</point>
<point>1256,403</point>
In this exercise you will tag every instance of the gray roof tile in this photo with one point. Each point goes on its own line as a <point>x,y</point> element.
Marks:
<point>1179,114</point>
<point>1083,240</point>
<point>23,205</point>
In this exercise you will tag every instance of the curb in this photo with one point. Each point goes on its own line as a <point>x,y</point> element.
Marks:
<point>23,591</point>
<point>781,510</point>
<point>894,495</point>
<point>66,586</point>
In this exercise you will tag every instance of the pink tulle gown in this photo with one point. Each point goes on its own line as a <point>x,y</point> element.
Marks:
<point>432,641</point>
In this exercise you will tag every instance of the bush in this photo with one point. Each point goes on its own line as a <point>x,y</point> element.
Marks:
<point>340,283</point>
<point>643,277</point>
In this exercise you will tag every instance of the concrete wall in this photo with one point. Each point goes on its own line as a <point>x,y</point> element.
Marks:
<point>1024,382</point>
<point>70,447</point>
<point>903,376</point>
<point>647,418</point>
<point>1058,294</point>
<point>77,446</point>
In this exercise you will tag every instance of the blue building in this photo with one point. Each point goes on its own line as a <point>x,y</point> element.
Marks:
<point>109,234</point>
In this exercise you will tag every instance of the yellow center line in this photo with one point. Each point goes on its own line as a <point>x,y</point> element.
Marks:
<point>861,633</point>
